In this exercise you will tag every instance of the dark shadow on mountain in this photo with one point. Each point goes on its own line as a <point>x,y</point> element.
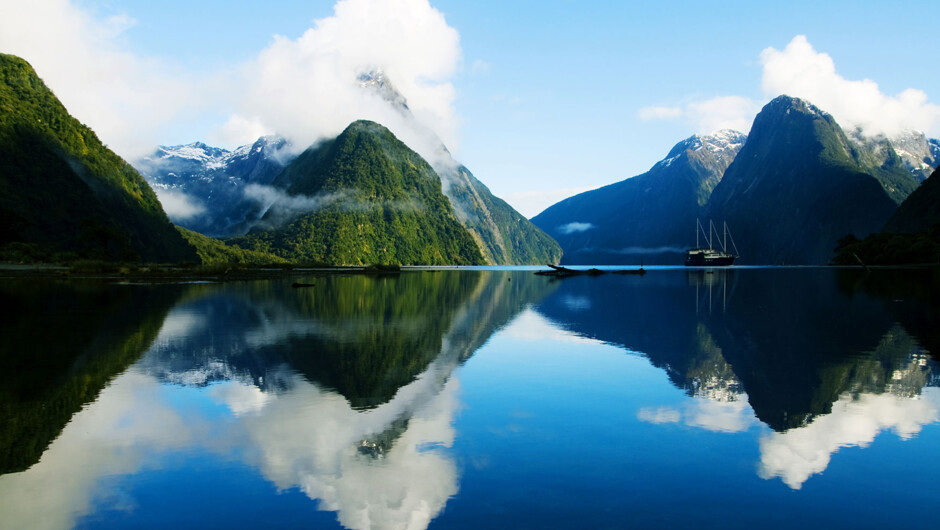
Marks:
<point>60,345</point>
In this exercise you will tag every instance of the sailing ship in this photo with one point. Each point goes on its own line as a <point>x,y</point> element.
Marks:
<point>711,257</point>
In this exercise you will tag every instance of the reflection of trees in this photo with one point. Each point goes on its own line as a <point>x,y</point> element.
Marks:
<point>911,295</point>
<point>362,336</point>
<point>378,466</point>
<point>62,342</point>
<point>792,340</point>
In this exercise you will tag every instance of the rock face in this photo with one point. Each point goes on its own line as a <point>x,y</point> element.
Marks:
<point>362,198</point>
<point>799,184</point>
<point>650,217</point>
<point>212,187</point>
<point>63,194</point>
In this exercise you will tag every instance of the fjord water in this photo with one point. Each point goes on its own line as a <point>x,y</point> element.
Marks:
<point>474,399</point>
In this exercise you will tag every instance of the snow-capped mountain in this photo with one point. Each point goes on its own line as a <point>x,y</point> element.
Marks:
<point>647,217</point>
<point>376,81</point>
<point>203,187</point>
<point>920,155</point>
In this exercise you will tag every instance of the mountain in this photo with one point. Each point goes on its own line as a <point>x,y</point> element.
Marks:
<point>224,193</point>
<point>63,194</point>
<point>920,155</point>
<point>911,235</point>
<point>649,217</point>
<point>920,211</point>
<point>363,197</point>
<point>799,184</point>
<point>505,236</point>
<point>213,185</point>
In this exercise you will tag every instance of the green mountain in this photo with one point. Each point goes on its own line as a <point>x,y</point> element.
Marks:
<point>211,251</point>
<point>363,197</point>
<point>799,185</point>
<point>62,192</point>
<point>920,211</point>
<point>504,236</point>
<point>649,217</point>
<point>97,332</point>
<point>911,235</point>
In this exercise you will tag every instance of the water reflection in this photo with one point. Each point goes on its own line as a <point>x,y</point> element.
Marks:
<point>346,395</point>
<point>816,355</point>
<point>344,392</point>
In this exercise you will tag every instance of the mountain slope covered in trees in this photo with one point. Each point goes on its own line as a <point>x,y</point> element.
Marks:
<point>63,194</point>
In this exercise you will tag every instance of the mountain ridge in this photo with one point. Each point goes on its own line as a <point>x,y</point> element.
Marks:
<point>63,193</point>
<point>367,199</point>
<point>647,218</point>
<point>798,185</point>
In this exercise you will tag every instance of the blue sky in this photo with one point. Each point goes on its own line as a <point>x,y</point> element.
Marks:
<point>538,98</point>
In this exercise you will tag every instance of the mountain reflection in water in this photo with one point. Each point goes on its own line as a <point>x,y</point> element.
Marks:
<point>347,393</point>
<point>817,355</point>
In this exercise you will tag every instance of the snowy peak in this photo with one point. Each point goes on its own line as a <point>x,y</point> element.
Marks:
<point>208,158</point>
<point>919,154</point>
<point>377,82</point>
<point>721,147</point>
<point>787,104</point>
<point>270,146</point>
<point>207,184</point>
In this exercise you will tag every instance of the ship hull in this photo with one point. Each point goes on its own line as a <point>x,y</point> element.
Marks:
<point>702,258</point>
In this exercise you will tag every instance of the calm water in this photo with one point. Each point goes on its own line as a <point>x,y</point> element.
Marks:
<point>474,399</point>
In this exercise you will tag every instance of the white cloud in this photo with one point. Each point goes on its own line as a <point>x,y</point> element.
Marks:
<point>734,415</point>
<point>659,415</point>
<point>178,205</point>
<point>125,99</point>
<point>659,113</point>
<point>801,71</point>
<point>304,89</point>
<point>307,89</point>
<point>797,454</point>
<point>707,116</point>
<point>725,112</point>
<point>480,67</point>
<point>574,227</point>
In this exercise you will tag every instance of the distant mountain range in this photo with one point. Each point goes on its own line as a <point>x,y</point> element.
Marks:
<point>207,184</point>
<point>789,191</point>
